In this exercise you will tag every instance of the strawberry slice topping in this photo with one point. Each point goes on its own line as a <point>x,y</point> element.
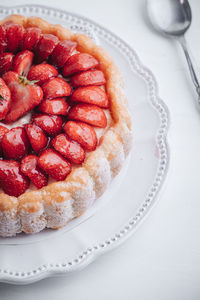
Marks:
<point>82,133</point>
<point>22,62</point>
<point>62,53</point>
<point>3,130</point>
<point>90,114</point>
<point>56,106</point>
<point>36,137</point>
<point>91,77</point>
<point>79,62</point>
<point>69,149</point>
<point>54,164</point>
<point>31,82</point>
<point>5,62</point>
<point>42,73</point>
<point>52,125</point>
<point>5,99</point>
<point>15,143</point>
<point>3,39</point>
<point>12,181</point>
<point>31,38</point>
<point>56,87</point>
<point>14,34</point>
<point>25,95</point>
<point>92,95</point>
<point>29,168</point>
<point>45,47</point>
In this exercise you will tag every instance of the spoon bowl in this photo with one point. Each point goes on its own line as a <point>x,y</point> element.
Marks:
<point>172,17</point>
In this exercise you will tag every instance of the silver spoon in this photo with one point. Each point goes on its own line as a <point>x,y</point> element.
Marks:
<point>173,18</point>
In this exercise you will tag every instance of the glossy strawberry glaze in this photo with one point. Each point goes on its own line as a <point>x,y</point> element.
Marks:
<point>85,135</point>
<point>53,117</point>
<point>15,143</point>
<point>50,159</point>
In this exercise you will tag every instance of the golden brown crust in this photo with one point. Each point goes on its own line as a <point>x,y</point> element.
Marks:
<point>53,206</point>
<point>7,202</point>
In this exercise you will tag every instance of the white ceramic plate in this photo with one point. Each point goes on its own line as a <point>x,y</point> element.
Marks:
<point>115,216</point>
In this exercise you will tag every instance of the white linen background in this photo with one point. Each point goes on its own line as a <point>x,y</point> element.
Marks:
<point>162,260</point>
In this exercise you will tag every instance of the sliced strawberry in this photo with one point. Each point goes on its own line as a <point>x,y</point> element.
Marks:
<point>91,77</point>
<point>52,125</point>
<point>69,149</point>
<point>56,87</point>
<point>36,137</point>
<point>82,133</point>
<point>56,106</point>
<point>30,169</point>
<point>5,99</point>
<point>92,95</point>
<point>54,164</point>
<point>45,47</point>
<point>22,62</point>
<point>12,181</point>
<point>3,130</point>
<point>25,95</point>
<point>3,39</point>
<point>90,114</point>
<point>79,62</point>
<point>42,73</point>
<point>31,38</point>
<point>14,34</point>
<point>62,53</point>
<point>15,143</point>
<point>5,62</point>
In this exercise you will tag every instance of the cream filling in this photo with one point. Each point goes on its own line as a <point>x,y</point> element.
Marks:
<point>22,121</point>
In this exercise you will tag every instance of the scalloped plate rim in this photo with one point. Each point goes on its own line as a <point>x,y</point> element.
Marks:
<point>95,251</point>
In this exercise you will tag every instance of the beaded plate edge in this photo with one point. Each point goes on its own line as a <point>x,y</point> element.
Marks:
<point>83,24</point>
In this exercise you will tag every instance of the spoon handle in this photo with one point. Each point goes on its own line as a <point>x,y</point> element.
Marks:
<point>190,65</point>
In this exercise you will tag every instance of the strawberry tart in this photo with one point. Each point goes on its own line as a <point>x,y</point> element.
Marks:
<point>65,129</point>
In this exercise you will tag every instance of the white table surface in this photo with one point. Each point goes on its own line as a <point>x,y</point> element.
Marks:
<point>162,259</point>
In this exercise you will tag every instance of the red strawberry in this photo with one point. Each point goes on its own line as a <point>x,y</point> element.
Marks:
<point>56,87</point>
<point>92,95</point>
<point>54,164</point>
<point>69,149</point>
<point>24,94</point>
<point>29,168</point>
<point>15,143</point>
<point>91,77</point>
<point>82,133</point>
<point>36,137</point>
<point>45,47</point>
<point>52,125</point>
<point>5,62</point>
<point>12,181</point>
<point>3,39</point>
<point>31,38</point>
<point>90,114</point>
<point>14,34</point>
<point>5,99</point>
<point>62,53</point>
<point>79,62</point>
<point>42,73</point>
<point>56,106</point>
<point>22,62</point>
<point>3,130</point>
